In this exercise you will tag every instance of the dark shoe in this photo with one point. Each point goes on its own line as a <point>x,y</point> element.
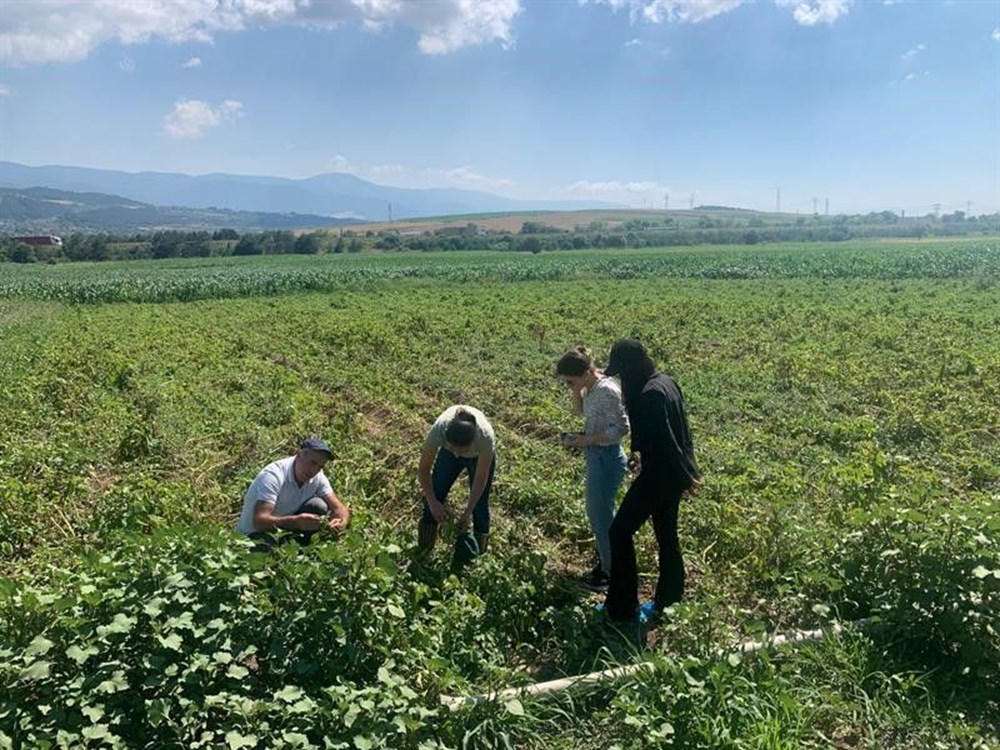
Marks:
<point>596,580</point>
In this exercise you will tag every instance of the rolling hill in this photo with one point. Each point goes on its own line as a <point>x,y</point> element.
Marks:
<point>50,211</point>
<point>333,194</point>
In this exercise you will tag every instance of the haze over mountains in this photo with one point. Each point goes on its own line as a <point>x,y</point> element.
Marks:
<point>333,194</point>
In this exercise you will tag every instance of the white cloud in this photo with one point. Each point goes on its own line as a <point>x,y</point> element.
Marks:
<point>812,12</point>
<point>467,177</point>
<point>614,187</point>
<point>912,53</point>
<point>402,176</point>
<point>683,11</point>
<point>449,26</point>
<point>637,193</point>
<point>127,64</point>
<point>4,89</point>
<point>194,62</point>
<point>191,118</point>
<point>995,36</point>
<point>806,12</point>
<point>68,30</point>
<point>633,43</point>
<point>338,163</point>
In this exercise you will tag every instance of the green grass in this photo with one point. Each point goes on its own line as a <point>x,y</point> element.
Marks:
<point>215,278</point>
<point>844,402</point>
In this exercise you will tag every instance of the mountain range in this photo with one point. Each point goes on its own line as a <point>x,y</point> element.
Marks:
<point>334,194</point>
<point>40,210</point>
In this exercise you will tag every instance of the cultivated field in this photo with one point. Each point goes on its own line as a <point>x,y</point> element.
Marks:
<point>845,403</point>
<point>565,220</point>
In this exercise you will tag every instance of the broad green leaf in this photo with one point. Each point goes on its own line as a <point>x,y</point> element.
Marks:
<point>39,646</point>
<point>222,657</point>
<point>235,740</point>
<point>114,684</point>
<point>173,641</point>
<point>97,732</point>
<point>289,693</point>
<point>80,655</point>
<point>514,707</point>
<point>120,624</point>
<point>94,712</point>
<point>981,571</point>
<point>395,611</point>
<point>36,671</point>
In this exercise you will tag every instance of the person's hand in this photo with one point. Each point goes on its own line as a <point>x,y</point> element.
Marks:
<point>337,524</point>
<point>438,511</point>
<point>694,489</point>
<point>464,522</point>
<point>572,441</point>
<point>635,463</point>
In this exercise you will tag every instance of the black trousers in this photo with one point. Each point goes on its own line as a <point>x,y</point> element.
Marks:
<point>651,495</point>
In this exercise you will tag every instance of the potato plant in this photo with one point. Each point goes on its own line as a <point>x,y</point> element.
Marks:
<point>845,402</point>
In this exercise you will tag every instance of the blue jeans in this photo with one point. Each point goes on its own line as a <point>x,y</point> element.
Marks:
<point>606,465</point>
<point>447,467</point>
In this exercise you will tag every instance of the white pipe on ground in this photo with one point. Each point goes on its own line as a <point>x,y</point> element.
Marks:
<point>455,702</point>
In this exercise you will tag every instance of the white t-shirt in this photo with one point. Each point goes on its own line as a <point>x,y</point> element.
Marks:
<point>276,484</point>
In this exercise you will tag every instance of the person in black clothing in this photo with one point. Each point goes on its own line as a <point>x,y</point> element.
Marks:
<point>664,467</point>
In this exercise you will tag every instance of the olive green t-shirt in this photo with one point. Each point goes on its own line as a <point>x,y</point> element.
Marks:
<point>483,444</point>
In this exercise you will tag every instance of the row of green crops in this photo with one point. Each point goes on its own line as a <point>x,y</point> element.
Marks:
<point>226,278</point>
<point>847,425</point>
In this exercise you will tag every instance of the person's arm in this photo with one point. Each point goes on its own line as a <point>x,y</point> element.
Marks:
<point>427,457</point>
<point>265,519</point>
<point>577,395</point>
<point>483,467</point>
<point>340,516</point>
<point>608,407</point>
<point>660,445</point>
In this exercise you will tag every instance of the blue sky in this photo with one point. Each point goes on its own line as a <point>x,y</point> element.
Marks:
<point>870,104</point>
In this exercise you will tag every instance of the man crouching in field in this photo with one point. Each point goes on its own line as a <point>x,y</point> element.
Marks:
<point>293,495</point>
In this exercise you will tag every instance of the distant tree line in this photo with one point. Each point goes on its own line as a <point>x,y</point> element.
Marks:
<point>167,244</point>
<point>535,236</point>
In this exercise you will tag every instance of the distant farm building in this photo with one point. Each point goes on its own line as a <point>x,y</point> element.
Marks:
<point>40,240</point>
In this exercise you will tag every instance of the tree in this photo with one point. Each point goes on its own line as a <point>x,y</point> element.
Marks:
<point>22,253</point>
<point>530,245</point>
<point>249,244</point>
<point>307,244</point>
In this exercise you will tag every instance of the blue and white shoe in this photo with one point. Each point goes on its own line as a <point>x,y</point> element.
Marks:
<point>648,613</point>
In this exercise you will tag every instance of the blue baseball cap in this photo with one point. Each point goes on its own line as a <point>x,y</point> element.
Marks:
<point>315,444</point>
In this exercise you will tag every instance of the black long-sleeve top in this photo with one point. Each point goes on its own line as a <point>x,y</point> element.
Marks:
<point>660,431</point>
